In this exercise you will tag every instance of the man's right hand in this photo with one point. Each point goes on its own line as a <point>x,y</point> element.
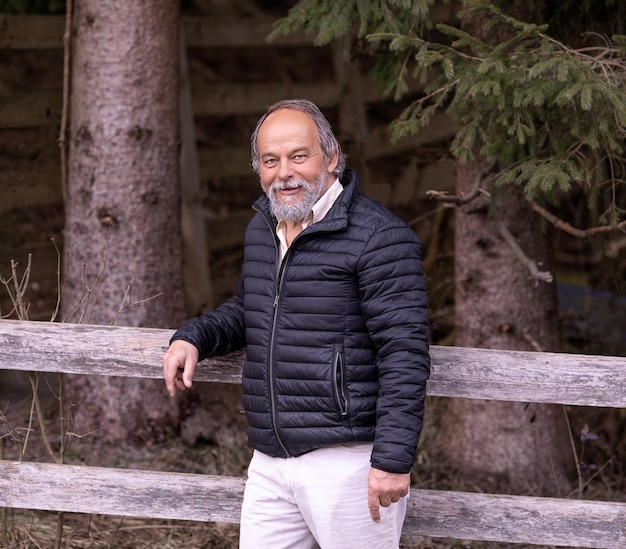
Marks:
<point>179,366</point>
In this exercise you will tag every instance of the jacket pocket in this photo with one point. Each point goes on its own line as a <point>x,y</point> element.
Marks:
<point>339,376</point>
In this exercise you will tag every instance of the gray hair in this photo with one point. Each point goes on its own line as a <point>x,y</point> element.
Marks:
<point>328,141</point>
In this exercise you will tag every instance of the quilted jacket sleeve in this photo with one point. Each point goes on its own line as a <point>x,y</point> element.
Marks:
<point>218,332</point>
<point>395,307</point>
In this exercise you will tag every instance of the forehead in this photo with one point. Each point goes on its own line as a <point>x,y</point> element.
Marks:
<point>288,127</point>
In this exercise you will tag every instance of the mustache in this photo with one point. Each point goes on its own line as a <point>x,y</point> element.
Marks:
<point>288,184</point>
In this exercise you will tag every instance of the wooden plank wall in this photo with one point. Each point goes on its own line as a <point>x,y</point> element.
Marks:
<point>228,93</point>
<point>224,98</point>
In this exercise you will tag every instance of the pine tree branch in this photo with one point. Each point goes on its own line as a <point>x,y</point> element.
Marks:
<point>543,276</point>
<point>443,196</point>
<point>580,233</point>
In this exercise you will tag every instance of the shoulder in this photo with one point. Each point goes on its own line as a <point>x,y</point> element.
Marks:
<point>365,211</point>
<point>379,223</point>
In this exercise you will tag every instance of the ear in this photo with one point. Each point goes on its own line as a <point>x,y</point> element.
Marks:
<point>333,163</point>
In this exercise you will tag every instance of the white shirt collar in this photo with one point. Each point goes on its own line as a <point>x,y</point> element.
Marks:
<point>324,204</point>
<point>318,212</point>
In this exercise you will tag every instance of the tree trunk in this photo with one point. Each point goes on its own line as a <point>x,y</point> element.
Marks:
<point>515,447</point>
<point>122,235</point>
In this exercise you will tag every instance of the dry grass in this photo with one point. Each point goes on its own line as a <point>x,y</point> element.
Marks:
<point>34,529</point>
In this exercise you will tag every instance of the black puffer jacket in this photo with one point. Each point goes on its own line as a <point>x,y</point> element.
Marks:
<point>337,336</point>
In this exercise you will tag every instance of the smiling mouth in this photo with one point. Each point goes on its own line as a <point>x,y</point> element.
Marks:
<point>287,187</point>
<point>286,190</point>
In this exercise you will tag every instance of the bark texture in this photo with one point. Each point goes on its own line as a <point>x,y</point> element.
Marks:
<point>122,235</point>
<point>504,446</point>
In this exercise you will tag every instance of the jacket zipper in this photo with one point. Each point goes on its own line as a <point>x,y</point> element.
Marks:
<point>280,273</point>
<point>340,391</point>
<point>271,372</point>
<point>270,367</point>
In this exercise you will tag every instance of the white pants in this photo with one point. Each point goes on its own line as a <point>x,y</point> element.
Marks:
<point>318,500</point>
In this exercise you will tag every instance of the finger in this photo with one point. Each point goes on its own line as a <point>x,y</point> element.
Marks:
<point>386,502</point>
<point>178,379</point>
<point>189,372</point>
<point>373,504</point>
<point>172,373</point>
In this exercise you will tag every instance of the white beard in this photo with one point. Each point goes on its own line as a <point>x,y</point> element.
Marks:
<point>292,208</point>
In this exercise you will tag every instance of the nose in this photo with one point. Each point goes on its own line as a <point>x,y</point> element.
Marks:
<point>285,170</point>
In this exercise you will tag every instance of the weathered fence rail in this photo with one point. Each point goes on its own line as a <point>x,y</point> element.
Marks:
<point>457,372</point>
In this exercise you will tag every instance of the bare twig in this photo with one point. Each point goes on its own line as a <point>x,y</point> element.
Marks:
<point>543,276</point>
<point>28,430</point>
<point>16,288</point>
<point>34,383</point>
<point>30,537</point>
<point>67,49</point>
<point>443,196</point>
<point>532,342</point>
<point>595,474</point>
<point>128,303</point>
<point>580,233</point>
<point>62,421</point>
<point>83,304</point>
<point>574,453</point>
<point>57,308</point>
<point>100,277</point>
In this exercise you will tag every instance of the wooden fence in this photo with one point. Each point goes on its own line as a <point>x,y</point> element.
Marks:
<point>456,372</point>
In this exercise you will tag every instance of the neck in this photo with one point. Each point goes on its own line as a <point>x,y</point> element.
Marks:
<point>292,229</point>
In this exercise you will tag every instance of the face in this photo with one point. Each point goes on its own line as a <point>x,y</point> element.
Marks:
<point>293,171</point>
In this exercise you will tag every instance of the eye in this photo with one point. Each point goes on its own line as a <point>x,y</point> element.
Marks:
<point>299,157</point>
<point>269,162</point>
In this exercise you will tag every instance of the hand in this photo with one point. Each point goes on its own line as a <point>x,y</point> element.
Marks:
<point>384,488</point>
<point>179,366</point>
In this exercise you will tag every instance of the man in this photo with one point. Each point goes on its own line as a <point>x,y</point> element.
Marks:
<point>332,308</point>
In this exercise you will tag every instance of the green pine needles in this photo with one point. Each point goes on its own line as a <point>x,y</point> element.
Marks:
<point>551,115</point>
